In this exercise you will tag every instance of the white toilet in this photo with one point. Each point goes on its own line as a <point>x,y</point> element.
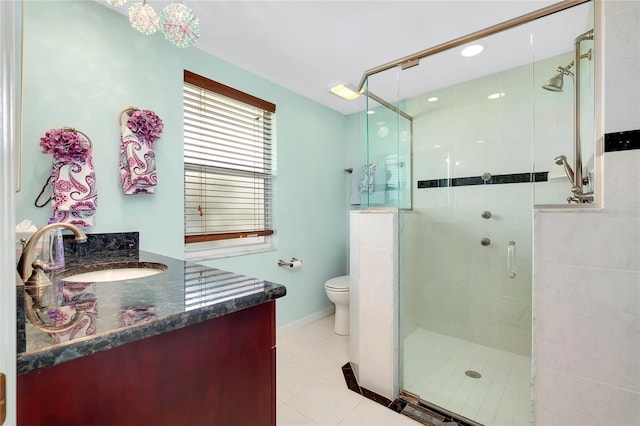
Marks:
<point>338,292</point>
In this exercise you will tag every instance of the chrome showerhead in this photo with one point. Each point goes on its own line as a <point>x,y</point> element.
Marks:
<point>555,83</point>
<point>561,160</point>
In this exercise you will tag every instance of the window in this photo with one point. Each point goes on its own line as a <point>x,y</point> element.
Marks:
<point>227,169</point>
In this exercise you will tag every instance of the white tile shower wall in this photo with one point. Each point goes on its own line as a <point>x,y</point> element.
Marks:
<point>587,271</point>
<point>622,56</point>
<point>587,305</point>
<point>376,290</point>
<point>464,290</point>
<point>460,143</point>
<point>408,273</point>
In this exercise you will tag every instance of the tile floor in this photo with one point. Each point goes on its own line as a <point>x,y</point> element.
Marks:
<point>310,386</point>
<point>435,367</point>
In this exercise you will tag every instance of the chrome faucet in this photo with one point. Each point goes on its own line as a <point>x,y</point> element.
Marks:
<point>24,267</point>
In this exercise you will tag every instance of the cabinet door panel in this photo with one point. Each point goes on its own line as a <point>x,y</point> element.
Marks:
<point>219,372</point>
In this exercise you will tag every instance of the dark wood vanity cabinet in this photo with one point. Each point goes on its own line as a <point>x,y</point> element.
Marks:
<point>217,372</point>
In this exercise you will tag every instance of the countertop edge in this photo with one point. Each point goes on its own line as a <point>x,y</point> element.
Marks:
<point>58,354</point>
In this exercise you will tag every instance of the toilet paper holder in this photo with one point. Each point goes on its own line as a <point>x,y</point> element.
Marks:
<point>294,263</point>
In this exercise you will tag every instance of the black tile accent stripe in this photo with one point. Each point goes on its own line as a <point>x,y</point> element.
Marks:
<point>477,180</point>
<point>622,141</point>
<point>416,410</point>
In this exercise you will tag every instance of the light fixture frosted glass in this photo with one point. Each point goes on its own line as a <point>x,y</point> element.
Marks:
<point>496,95</point>
<point>432,99</point>
<point>473,50</point>
<point>344,92</point>
<point>143,18</point>
<point>180,25</point>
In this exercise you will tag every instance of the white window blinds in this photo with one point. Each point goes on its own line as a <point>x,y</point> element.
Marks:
<point>227,162</point>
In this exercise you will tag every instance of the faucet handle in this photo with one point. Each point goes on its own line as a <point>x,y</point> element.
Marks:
<point>38,278</point>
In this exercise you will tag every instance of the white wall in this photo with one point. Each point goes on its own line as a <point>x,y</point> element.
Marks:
<point>587,269</point>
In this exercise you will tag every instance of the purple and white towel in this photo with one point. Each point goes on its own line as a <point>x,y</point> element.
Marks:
<point>75,198</point>
<point>137,164</point>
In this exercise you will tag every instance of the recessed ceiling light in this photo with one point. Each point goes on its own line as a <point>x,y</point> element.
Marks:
<point>432,99</point>
<point>371,112</point>
<point>480,141</point>
<point>496,95</point>
<point>473,50</point>
<point>344,92</point>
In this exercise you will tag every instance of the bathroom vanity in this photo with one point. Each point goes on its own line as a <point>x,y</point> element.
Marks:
<point>191,345</point>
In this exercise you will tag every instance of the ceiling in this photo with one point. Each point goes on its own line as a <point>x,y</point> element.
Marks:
<point>310,46</point>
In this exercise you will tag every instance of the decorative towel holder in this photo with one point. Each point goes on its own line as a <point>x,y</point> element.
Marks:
<point>128,111</point>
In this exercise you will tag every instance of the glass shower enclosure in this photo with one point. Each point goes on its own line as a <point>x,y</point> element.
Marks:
<point>465,157</point>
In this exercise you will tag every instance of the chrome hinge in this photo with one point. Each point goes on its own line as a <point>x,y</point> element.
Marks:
<point>3,398</point>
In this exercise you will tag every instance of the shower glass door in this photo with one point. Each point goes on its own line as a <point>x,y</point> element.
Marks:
<point>478,155</point>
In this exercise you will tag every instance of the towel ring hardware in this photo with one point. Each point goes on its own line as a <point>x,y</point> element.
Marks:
<point>73,129</point>
<point>128,111</point>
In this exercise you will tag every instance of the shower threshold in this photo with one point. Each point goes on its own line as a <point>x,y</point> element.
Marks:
<point>430,414</point>
<point>407,404</point>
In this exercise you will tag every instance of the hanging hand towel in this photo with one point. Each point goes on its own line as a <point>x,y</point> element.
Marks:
<point>378,190</point>
<point>73,178</point>
<point>137,156</point>
<point>368,177</point>
<point>75,198</point>
<point>137,164</point>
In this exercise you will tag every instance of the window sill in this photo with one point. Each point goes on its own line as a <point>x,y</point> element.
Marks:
<point>210,253</point>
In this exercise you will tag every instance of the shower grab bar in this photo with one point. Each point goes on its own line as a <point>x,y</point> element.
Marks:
<point>511,259</point>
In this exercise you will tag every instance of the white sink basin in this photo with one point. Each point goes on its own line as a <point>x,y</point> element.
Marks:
<point>115,272</point>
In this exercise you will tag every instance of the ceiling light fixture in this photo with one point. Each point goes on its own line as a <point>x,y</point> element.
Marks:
<point>344,92</point>
<point>432,99</point>
<point>143,18</point>
<point>496,95</point>
<point>473,50</point>
<point>180,24</point>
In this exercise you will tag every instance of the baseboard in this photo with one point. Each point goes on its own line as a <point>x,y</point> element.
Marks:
<point>294,325</point>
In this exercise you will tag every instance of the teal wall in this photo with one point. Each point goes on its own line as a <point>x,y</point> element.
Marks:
<point>83,64</point>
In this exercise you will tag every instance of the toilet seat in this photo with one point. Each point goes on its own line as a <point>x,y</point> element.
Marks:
<point>338,284</point>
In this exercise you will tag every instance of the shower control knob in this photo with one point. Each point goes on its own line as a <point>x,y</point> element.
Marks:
<point>486,214</point>
<point>485,241</point>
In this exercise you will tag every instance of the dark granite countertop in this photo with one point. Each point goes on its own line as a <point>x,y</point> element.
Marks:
<point>119,312</point>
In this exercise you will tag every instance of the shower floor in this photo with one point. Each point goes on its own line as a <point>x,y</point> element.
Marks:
<point>435,366</point>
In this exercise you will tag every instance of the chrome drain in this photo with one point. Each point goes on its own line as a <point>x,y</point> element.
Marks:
<point>473,374</point>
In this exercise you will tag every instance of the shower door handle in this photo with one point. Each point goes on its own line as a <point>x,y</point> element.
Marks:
<point>511,259</point>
